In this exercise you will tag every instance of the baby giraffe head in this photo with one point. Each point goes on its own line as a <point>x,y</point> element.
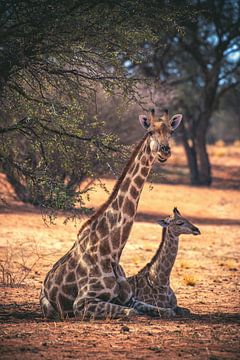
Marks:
<point>160,130</point>
<point>179,225</point>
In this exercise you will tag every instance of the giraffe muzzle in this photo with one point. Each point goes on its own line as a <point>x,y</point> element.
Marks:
<point>164,153</point>
<point>196,231</point>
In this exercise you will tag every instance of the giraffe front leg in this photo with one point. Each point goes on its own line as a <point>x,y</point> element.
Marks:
<point>94,308</point>
<point>181,311</point>
<point>151,310</point>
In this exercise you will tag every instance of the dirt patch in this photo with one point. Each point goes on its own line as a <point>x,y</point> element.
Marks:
<point>205,278</point>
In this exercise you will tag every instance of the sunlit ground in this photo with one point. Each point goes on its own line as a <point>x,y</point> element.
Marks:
<point>205,276</point>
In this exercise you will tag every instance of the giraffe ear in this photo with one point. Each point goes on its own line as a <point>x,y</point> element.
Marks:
<point>144,121</point>
<point>176,211</point>
<point>163,222</point>
<point>175,121</point>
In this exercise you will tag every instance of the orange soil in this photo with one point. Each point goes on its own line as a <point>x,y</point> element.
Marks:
<point>205,276</point>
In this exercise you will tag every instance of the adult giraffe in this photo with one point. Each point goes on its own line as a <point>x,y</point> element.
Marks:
<point>88,282</point>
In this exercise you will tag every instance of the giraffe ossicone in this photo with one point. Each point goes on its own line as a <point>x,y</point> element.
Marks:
<point>152,283</point>
<point>88,282</point>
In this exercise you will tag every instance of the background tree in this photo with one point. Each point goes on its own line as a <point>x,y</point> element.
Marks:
<point>202,65</point>
<point>54,56</point>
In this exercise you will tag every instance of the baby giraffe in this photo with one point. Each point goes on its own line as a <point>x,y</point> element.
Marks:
<point>152,283</point>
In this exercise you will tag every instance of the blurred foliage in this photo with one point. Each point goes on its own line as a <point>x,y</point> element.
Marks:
<point>225,122</point>
<point>201,64</point>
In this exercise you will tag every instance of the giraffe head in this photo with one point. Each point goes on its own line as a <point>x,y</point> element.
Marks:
<point>178,224</point>
<point>160,130</point>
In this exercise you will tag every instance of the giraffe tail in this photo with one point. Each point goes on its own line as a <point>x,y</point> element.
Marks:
<point>49,312</point>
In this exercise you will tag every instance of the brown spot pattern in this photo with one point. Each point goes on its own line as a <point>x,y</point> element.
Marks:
<point>94,271</point>
<point>110,281</point>
<point>136,169</point>
<point>70,277</point>
<point>126,230</point>
<point>103,227</point>
<point>53,294</point>
<point>115,204</point>
<point>116,238</point>
<point>106,266</point>
<point>72,263</point>
<point>143,160</point>
<point>105,296</point>
<point>97,286</point>
<point>104,248</point>
<point>125,184</point>
<point>59,275</point>
<point>139,181</point>
<point>144,171</point>
<point>70,290</point>
<point>81,271</point>
<point>66,303</point>
<point>120,200</point>
<point>129,207</point>
<point>134,192</point>
<point>89,259</point>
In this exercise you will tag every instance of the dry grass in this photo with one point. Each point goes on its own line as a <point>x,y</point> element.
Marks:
<point>190,280</point>
<point>230,264</point>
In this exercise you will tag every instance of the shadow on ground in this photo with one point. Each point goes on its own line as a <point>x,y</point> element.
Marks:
<point>30,312</point>
<point>140,217</point>
<point>152,218</point>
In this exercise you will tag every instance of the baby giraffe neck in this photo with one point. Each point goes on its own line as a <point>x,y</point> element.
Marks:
<point>162,263</point>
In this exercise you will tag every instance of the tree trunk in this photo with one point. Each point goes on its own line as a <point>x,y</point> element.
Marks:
<point>204,167</point>
<point>20,190</point>
<point>197,156</point>
<point>191,156</point>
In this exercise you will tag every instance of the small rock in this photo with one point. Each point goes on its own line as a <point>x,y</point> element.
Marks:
<point>125,329</point>
<point>149,333</point>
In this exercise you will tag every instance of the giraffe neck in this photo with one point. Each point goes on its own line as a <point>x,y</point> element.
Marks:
<point>113,221</point>
<point>162,263</point>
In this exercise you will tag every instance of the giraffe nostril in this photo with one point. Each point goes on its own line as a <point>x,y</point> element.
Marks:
<point>165,149</point>
<point>196,231</point>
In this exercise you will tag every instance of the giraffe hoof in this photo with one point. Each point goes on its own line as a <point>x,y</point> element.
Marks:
<point>180,311</point>
<point>169,313</point>
<point>130,313</point>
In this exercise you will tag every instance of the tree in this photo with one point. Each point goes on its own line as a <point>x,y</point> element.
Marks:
<point>54,57</point>
<point>47,79</point>
<point>202,65</point>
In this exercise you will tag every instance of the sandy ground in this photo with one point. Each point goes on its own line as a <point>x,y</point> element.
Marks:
<point>205,276</point>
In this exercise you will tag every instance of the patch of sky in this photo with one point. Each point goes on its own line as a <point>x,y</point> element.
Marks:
<point>127,63</point>
<point>233,53</point>
<point>213,39</point>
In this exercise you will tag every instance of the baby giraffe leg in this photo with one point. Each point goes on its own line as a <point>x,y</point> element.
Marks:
<point>181,311</point>
<point>94,308</point>
<point>154,311</point>
<point>173,303</point>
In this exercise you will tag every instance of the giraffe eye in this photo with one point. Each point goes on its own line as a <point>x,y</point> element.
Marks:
<point>179,222</point>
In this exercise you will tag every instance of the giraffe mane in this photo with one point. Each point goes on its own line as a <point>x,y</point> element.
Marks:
<point>164,230</point>
<point>104,206</point>
<point>149,264</point>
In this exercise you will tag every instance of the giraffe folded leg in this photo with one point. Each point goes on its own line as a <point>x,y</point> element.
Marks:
<point>48,310</point>
<point>95,308</point>
<point>151,310</point>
